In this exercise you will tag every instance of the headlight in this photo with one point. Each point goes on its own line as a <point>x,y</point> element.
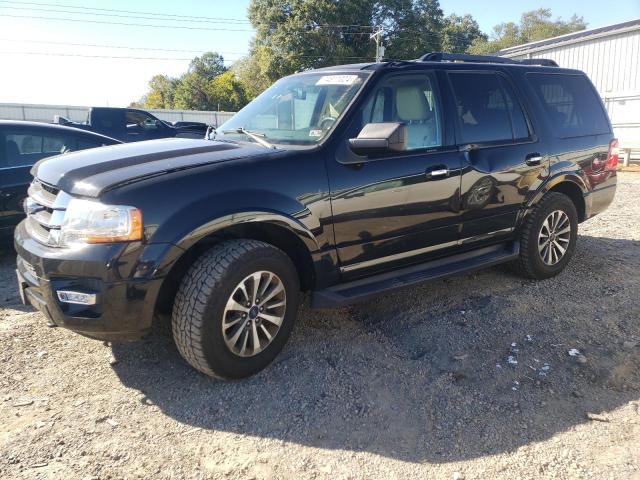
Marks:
<point>88,221</point>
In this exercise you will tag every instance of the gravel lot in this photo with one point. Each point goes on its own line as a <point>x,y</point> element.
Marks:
<point>416,384</point>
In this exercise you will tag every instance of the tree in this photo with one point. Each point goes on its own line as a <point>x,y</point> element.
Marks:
<point>294,35</point>
<point>191,93</point>
<point>226,93</point>
<point>161,93</point>
<point>459,33</point>
<point>251,74</point>
<point>534,25</point>
<point>208,66</point>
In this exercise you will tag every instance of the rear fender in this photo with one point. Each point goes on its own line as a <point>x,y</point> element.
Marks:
<point>564,177</point>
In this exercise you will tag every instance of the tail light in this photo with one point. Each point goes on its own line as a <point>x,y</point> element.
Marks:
<point>612,156</point>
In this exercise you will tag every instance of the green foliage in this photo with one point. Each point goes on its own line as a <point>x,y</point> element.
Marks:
<point>251,74</point>
<point>207,85</point>
<point>226,92</point>
<point>208,66</point>
<point>459,33</point>
<point>294,35</point>
<point>161,94</point>
<point>534,25</point>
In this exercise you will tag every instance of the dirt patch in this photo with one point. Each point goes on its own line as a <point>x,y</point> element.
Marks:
<point>468,376</point>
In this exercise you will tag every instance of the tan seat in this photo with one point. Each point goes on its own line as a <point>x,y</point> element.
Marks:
<point>412,108</point>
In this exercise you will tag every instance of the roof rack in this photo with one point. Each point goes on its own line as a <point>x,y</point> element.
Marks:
<point>463,57</point>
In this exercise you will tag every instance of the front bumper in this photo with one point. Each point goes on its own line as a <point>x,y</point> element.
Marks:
<point>125,300</point>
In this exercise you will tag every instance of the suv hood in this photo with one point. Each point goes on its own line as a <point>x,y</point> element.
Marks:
<point>91,172</point>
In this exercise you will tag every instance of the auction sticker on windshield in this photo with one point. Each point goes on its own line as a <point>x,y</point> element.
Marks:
<point>338,80</point>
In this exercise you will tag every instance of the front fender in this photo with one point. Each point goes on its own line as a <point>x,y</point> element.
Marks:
<point>293,225</point>
<point>157,259</point>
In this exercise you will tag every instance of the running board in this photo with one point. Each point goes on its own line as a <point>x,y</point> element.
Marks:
<point>359,290</point>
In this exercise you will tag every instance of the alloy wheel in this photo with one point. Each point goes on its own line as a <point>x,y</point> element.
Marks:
<point>554,237</point>
<point>254,313</point>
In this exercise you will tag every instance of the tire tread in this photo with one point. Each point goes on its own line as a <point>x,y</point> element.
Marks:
<point>524,264</point>
<point>199,284</point>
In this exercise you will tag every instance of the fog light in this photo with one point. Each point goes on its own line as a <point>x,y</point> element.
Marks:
<point>78,298</point>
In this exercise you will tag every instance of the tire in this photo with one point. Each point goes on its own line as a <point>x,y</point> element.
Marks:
<point>534,262</point>
<point>202,308</point>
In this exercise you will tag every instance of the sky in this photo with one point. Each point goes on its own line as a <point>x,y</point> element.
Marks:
<point>38,64</point>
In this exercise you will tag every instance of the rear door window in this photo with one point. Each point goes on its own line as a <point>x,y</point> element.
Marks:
<point>24,148</point>
<point>572,106</point>
<point>487,109</point>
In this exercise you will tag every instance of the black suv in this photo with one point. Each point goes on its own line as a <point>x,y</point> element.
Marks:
<point>345,182</point>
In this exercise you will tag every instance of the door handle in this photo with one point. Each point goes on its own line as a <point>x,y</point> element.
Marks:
<point>439,173</point>
<point>533,159</point>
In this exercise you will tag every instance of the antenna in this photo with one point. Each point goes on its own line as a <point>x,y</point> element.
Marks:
<point>377,36</point>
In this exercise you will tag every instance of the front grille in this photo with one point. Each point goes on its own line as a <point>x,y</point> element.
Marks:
<point>45,209</point>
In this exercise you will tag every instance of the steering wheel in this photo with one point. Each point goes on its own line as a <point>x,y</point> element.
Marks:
<point>326,122</point>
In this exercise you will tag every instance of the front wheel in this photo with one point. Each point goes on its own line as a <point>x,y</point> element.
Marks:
<point>548,237</point>
<point>235,308</point>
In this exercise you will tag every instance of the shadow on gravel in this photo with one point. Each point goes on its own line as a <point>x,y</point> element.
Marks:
<point>423,375</point>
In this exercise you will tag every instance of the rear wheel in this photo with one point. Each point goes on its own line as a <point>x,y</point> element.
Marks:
<point>548,237</point>
<point>235,308</point>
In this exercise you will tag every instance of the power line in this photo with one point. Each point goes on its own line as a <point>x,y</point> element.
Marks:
<point>126,57</point>
<point>38,17</point>
<point>313,30</point>
<point>95,45</point>
<point>57,54</point>
<point>127,24</point>
<point>124,11</point>
<point>401,32</point>
<point>187,18</point>
<point>49,10</point>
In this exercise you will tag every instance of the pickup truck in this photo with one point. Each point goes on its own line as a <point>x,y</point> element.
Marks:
<point>133,125</point>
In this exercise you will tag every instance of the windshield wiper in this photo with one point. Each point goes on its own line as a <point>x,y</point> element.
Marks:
<point>257,137</point>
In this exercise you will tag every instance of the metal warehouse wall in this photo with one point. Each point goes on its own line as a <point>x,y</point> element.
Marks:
<point>612,61</point>
<point>45,113</point>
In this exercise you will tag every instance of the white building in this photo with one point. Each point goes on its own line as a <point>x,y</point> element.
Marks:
<point>610,56</point>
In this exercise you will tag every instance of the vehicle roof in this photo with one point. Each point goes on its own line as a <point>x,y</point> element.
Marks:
<point>54,126</point>
<point>420,65</point>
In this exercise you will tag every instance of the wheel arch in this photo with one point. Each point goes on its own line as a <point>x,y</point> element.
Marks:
<point>278,230</point>
<point>570,185</point>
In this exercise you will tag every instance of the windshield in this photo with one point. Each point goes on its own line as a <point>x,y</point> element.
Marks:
<point>296,110</point>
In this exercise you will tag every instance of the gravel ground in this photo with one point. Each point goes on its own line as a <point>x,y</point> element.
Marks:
<point>417,384</point>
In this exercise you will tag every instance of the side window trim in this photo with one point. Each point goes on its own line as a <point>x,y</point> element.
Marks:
<point>517,97</point>
<point>541,103</point>
<point>462,146</point>
<point>437,90</point>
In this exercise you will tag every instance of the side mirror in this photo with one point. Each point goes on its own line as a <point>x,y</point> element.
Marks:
<point>380,138</point>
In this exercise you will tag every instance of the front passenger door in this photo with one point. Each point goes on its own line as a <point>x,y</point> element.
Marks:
<point>403,207</point>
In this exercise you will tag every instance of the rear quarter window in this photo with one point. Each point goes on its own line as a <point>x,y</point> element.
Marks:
<point>572,105</point>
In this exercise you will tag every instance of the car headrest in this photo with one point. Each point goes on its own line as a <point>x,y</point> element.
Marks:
<point>411,104</point>
<point>13,152</point>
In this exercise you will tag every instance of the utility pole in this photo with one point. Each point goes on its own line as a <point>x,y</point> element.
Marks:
<point>377,36</point>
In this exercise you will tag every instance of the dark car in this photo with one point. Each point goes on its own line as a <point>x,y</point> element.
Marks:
<point>22,144</point>
<point>134,125</point>
<point>343,182</point>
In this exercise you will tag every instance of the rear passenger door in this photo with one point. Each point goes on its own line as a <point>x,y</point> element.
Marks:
<point>503,161</point>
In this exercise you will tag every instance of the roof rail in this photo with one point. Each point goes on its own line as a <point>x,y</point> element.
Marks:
<point>463,57</point>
